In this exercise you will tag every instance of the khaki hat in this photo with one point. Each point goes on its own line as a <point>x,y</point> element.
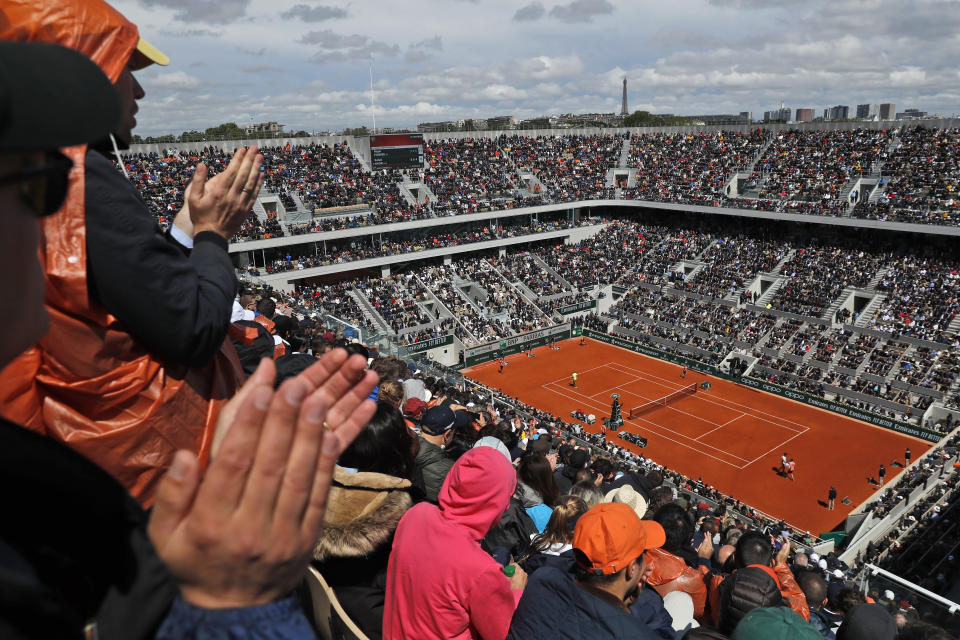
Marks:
<point>628,496</point>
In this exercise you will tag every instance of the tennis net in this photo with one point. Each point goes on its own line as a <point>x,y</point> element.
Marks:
<point>661,402</point>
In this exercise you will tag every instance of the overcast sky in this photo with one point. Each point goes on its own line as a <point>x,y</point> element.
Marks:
<point>307,64</point>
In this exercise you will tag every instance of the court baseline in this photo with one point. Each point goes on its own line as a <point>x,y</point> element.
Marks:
<point>638,375</point>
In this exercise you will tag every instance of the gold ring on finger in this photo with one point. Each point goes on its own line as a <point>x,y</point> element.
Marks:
<point>326,426</point>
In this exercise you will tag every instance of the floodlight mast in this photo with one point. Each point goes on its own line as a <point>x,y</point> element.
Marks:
<point>373,112</point>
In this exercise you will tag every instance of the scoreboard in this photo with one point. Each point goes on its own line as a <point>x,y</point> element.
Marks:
<point>396,151</point>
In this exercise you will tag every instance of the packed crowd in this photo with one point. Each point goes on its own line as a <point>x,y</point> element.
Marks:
<point>818,274</point>
<point>729,262</point>
<point>814,166</point>
<point>344,250</point>
<point>689,168</point>
<point>797,172</point>
<point>237,474</point>
<point>660,268</point>
<point>921,178</point>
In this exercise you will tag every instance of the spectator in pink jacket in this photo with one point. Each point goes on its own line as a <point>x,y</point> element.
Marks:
<point>440,583</point>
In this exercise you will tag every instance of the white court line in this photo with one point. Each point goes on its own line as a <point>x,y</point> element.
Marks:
<point>724,403</point>
<point>579,373</point>
<point>619,386</point>
<point>776,421</point>
<point>805,429</point>
<point>589,400</point>
<point>682,444</point>
<point>719,427</point>
<point>779,446</point>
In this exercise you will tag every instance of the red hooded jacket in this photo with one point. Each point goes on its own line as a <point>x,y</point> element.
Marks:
<point>440,583</point>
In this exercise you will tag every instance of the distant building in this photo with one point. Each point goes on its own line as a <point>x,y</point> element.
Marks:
<point>778,115</point>
<point>804,115</point>
<point>908,114</point>
<point>501,122</point>
<point>722,118</point>
<point>839,112</point>
<point>867,111</point>
<point>431,127</point>
<point>748,115</point>
<point>887,111</point>
<point>264,127</point>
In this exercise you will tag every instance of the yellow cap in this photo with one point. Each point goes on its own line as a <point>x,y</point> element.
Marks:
<point>147,54</point>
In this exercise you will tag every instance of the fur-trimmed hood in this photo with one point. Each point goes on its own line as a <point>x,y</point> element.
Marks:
<point>363,511</point>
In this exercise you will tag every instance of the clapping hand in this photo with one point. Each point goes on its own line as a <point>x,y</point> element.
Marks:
<point>245,534</point>
<point>221,203</point>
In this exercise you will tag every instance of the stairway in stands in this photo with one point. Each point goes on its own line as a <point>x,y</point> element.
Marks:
<point>624,161</point>
<point>370,313</point>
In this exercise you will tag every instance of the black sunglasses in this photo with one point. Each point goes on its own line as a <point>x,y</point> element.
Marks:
<point>43,187</point>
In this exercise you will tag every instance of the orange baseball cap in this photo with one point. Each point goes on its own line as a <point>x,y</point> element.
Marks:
<point>610,536</point>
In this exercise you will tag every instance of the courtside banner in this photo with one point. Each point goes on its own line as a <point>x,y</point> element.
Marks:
<point>579,306</point>
<point>425,345</point>
<point>769,387</point>
<point>516,344</point>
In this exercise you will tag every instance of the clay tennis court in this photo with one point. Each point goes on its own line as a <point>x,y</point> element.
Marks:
<point>730,435</point>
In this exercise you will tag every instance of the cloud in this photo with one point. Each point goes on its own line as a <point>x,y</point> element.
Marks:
<point>192,33</point>
<point>256,53</point>
<point>210,11</point>
<point>174,80</point>
<point>545,67</point>
<point>335,47</point>
<point>909,77</point>
<point>423,50</point>
<point>580,11</point>
<point>319,13</point>
<point>434,44</point>
<point>530,12</point>
<point>753,4</point>
<point>264,68</point>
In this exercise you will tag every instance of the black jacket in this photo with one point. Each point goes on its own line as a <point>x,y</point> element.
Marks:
<point>73,547</point>
<point>554,606</point>
<point>566,476</point>
<point>175,302</point>
<point>513,532</point>
<point>637,481</point>
<point>434,464</point>
<point>743,591</point>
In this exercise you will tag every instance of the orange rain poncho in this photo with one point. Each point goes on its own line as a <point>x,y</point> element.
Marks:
<point>89,383</point>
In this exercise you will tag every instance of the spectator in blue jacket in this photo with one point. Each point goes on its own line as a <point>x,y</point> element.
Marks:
<point>609,544</point>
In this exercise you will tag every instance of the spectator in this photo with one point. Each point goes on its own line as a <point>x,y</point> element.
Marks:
<point>143,300</point>
<point>436,432</point>
<point>747,589</point>
<point>773,622</point>
<point>537,489</point>
<point>867,622</point>
<point>815,591</point>
<point>566,475</point>
<point>674,566</point>
<point>193,526</point>
<point>371,491</point>
<point>440,583</point>
<point>588,490</point>
<point>553,548</point>
<point>755,550</point>
<point>610,544</point>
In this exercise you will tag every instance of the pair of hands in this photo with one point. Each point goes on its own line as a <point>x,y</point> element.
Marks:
<point>221,203</point>
<point>244,535</point>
